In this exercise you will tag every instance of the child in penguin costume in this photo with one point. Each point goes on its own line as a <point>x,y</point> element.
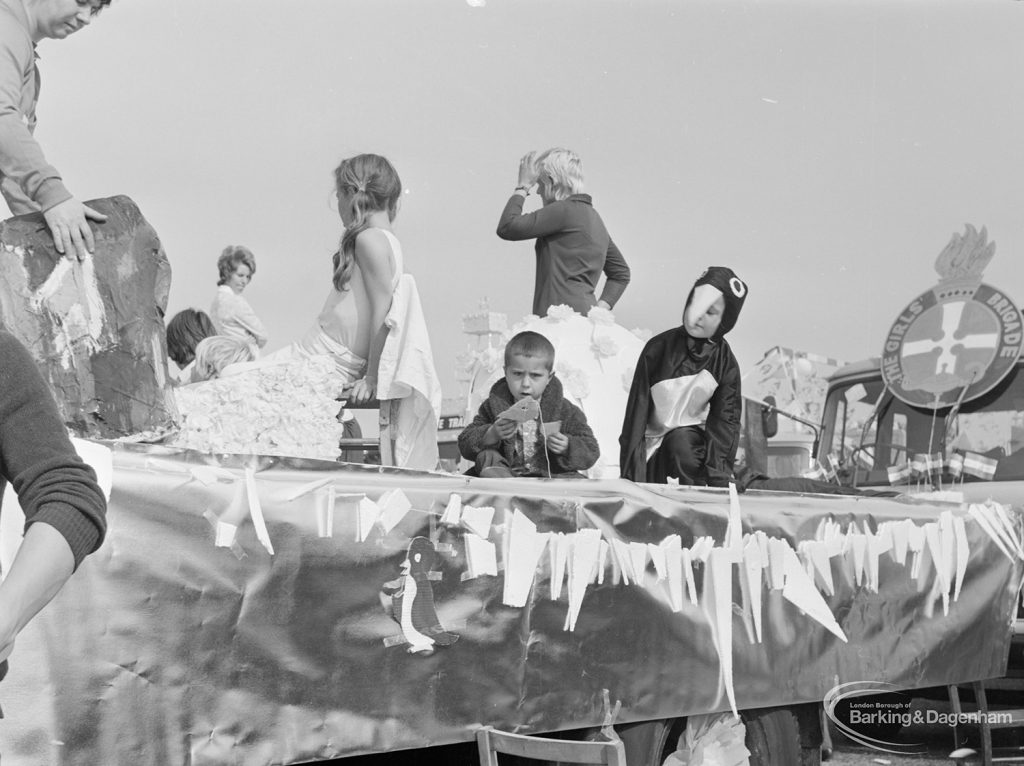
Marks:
<point>683,412</point>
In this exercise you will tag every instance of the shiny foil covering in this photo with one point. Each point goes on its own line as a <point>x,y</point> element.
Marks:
<point>164,649</point>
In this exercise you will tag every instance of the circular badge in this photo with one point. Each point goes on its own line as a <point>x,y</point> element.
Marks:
<point>945,342</point>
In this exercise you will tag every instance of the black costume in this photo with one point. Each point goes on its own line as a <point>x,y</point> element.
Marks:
<point>683,415</point>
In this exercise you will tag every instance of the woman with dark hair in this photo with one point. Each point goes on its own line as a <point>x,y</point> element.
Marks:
<point>184,332</point>
<point>231,313</point>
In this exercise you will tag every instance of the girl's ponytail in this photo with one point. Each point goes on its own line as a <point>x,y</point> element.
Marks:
<point>372,184</point>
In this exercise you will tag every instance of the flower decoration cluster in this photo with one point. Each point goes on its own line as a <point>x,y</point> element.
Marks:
<point>282,409</point>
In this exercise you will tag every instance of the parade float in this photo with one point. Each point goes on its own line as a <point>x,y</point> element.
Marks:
<point>269,609</point>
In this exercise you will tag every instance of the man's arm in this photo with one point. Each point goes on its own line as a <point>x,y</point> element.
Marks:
<point>30,183</point>
<point>617,272</point>
<point>513,225</point>
<point>64,506</point>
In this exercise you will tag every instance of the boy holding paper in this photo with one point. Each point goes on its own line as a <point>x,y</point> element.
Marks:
<point>526,427</point>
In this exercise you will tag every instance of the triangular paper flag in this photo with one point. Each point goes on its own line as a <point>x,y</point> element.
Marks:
<point>478,520</point>
<point>224,534</point>
<point>963,553</point>
<point>366,517</point>
<point>753,566</point>
<point>734,530</point>
<point>256,511</point>
<point>558,557</point>
<point>638,560</point>
<point>871,560</point>
<point>817,551</point>
<point>481,556</point>
<point>777,562</point>
<point>525,546</point>
<point>800,592</point>
<point>602,562</point>
<point>620,551</point>
<point>585,547</point>
<point>901,540</point>
<point>672,557</point>
<point>295,494</point>
<point>999,511</point>
<point>978,514</point>
<point>717,603</point>
<point>691,584</point>
<point>657,555</point>
<point>453,511</point>
<point>393,506</point>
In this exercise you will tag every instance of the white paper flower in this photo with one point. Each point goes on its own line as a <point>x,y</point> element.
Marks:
<point>491,359</point>
<point>561,313</point>
<point>627,377</point>
<point>642,333</point>
<point>285,409</point>
<point>604,346</point>
<point>574,380</point>
<point>601,315</point>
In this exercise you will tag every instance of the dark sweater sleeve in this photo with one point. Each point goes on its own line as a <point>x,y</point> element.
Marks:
<point>471,439</point>
<point>28,180</point>
<point>617,272</point>
<point>583,449</point>
<point>52,482</point>
<point>723,426</point>
<point>632,445</point>
<point>513,225</point>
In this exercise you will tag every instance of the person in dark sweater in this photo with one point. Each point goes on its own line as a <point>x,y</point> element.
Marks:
<point>65,511</point>
<point>555,442</point>
<point>682,416</point>
<point>573,246</point>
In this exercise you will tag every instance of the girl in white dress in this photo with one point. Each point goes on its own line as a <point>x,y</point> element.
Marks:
<point>350,327</point>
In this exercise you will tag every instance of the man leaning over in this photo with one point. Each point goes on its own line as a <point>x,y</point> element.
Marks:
<point>27,181</point>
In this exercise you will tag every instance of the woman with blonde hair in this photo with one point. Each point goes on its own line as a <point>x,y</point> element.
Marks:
<point>573,246</point>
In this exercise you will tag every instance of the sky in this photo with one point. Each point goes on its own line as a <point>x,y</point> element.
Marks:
<point>825,150</point>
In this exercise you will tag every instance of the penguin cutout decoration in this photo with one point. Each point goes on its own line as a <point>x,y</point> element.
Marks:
<point>412,600</point>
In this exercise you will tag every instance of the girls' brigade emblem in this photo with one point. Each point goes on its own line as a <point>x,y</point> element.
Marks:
<point>958,340</point>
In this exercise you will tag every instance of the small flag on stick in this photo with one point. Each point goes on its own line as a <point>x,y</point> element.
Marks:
<point>898,473</point>
<point>955,464</point>
<point>980,466</point>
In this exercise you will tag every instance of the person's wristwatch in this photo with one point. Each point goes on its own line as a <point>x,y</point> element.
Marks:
<point>524,189</point>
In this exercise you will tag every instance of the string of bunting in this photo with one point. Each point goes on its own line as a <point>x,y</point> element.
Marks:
<point>924,465</point>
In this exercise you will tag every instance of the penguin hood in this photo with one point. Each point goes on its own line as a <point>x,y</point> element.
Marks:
<point>719,281</point>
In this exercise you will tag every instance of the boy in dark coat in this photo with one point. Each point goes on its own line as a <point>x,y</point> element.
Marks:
<point>683,412</point>
<point>556,441</point>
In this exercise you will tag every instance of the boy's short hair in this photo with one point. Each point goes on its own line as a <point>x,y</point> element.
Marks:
<point>564,168</point>
<point>215,353</point>
<point>230,257</point>
<point>184,332</point>
<point>529,343</point>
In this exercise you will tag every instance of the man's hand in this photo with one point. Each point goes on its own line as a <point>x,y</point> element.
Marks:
<point>69,227</point>
<point>528,170</point>
<point>558,443</point>
<point>505,429</point>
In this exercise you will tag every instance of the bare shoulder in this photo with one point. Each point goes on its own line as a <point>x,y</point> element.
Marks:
<point>373,250</point>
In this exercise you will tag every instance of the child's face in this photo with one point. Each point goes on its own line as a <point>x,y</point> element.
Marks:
<point>527,376</point>
<point>706,324</point>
